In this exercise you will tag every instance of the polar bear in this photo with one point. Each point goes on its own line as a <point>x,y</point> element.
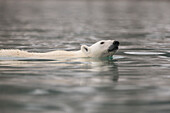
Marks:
<point>103,48</point>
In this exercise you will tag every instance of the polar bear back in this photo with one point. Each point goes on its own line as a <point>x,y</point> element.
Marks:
<point>14,52</point>
<point>52,54</point>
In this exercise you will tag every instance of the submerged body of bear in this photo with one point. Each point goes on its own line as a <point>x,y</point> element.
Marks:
<point>104,48</point>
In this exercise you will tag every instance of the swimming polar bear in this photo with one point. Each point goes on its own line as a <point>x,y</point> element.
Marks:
<point>103,48</point>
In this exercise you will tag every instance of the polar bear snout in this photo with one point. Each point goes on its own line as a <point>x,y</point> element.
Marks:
<point>116,43</point>
<point>114,46</point>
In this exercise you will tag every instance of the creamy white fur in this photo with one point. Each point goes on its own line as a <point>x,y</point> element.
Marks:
<point>95,50</point>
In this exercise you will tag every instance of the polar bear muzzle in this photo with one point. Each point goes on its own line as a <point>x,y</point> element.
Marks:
<point>114,46</point>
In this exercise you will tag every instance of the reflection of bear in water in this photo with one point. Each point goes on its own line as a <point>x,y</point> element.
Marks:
<point>104,48</point>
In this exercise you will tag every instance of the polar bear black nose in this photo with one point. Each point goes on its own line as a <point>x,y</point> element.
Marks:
<point>116,43</point>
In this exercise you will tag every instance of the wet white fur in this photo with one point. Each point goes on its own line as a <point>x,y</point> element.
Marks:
<point>95,50</point>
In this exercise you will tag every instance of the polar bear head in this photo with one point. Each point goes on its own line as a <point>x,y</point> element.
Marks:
<point>103,48</point>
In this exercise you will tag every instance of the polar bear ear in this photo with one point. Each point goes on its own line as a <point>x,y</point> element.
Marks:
<point>85,49</point>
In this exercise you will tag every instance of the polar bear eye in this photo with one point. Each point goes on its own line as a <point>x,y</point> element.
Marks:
<point>101,42</point>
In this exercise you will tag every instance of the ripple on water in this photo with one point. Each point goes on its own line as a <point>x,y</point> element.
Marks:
<point>117,57</point>
<point>144,53</point>
<point>39,92</point>
<point>6,58</point>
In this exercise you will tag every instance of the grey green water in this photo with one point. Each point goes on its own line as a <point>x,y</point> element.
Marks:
<point>137,80</point>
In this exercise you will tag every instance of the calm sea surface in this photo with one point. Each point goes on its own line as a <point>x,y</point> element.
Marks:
<point>137,80</point>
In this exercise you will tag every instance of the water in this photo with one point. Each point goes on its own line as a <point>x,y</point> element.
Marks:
<point>137,80</point>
